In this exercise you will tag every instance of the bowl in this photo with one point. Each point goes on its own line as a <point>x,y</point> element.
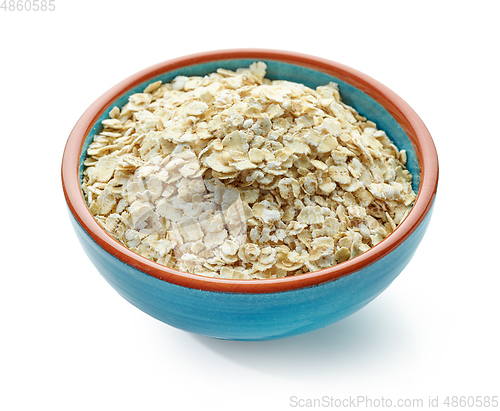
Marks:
<point>270,308</point>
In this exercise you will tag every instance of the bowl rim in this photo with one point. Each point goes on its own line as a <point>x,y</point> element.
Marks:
<point>406,117</point>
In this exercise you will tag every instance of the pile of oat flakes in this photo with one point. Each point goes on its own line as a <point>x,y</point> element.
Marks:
<point>233,175</point>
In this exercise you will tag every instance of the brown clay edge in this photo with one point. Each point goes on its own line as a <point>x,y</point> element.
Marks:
<point>403,114</point>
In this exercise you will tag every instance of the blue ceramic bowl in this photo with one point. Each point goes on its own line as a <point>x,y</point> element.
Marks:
<point>258,309</point>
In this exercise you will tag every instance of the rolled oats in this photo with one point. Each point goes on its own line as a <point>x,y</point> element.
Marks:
<point>233,175</point>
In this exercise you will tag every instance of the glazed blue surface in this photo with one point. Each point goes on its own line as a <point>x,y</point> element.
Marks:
<point>244,316</point>
<point>241,316</point>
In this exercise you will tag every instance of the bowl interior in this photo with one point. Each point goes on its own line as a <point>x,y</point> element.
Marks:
<point>279,70</point>
<point>370,98</point>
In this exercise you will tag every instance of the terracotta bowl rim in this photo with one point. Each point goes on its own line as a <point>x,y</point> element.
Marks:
<point>399,109</point>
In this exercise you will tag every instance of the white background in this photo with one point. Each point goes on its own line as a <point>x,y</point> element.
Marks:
<point>69,342</point>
